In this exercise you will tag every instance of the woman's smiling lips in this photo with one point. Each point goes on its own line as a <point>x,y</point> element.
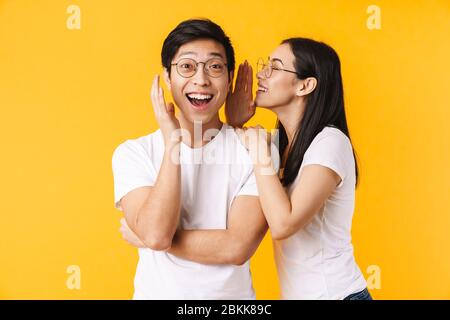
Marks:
<point>261,88</point>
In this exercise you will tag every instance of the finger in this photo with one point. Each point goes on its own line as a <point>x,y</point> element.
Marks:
<point>162,102</point>
<point>230,89</point>
<point>155,87</point>
<point>239,85</point>
<point>250,81</point>
<point>159,93</point>
<point>152,92</point>
<point>153,96</point>
<point>238,76</point>
<point>261,131</point>
<point>245,80</point>
<point>269,138</point>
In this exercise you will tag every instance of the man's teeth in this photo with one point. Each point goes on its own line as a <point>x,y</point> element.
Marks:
<point>262,89</point>
<point>200,96</point>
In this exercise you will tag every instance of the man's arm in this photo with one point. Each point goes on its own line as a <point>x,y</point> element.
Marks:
<point>152,213</point>
<point>234,245</point>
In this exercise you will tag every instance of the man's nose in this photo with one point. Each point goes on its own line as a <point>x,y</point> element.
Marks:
<point>200,77</point>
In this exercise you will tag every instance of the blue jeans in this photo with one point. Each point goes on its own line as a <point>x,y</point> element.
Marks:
<point>362,295</point>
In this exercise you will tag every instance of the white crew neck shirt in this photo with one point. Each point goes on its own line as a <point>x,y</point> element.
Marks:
<point>212,176</point>
<point>317,262</point>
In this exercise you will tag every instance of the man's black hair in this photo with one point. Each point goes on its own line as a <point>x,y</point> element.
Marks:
<point>191,30</point>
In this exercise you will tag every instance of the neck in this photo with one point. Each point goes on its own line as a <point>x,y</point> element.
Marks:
<point>197,129</point>
<point>290,116</point>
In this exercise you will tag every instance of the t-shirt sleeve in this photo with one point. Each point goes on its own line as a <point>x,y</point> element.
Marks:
<point>250,186</point>
<point>330,151</point>
<point>131,169</point>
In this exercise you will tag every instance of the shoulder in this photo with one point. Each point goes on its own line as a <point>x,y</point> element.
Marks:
<point>332,148</point>
<point>138,147</point>
<point>331,139</point>
<point>233,142</point>
<point>230,140</point>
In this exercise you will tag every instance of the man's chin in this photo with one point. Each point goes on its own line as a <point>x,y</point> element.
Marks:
<point>196,117</point>
<point>203,119</point>
<point>205,116</point>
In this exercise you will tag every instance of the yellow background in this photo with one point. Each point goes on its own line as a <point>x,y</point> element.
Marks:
<point>69,97</point>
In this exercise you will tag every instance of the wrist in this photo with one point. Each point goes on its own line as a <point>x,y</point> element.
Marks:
<point>264,168</point>
<point>260,153</point>
<point>172,151</point>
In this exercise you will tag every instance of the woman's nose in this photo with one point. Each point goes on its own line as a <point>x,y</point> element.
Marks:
<point>260,75</point>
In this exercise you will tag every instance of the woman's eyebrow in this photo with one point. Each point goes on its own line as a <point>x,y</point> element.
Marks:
<point>276,59</point>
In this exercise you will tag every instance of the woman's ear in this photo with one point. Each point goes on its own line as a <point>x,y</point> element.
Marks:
<point>167,78</point>
<point>306,86</point>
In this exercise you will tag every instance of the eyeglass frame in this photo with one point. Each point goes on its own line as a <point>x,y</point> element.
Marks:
<point>265,65</point>
<point>196,67</point>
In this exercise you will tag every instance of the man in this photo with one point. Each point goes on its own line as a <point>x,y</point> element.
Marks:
<point>187,191</point>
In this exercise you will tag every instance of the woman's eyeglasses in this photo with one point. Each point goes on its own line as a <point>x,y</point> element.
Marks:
<point>268,67</point>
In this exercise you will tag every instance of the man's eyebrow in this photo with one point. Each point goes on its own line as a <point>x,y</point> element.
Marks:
<point>214,54</point>
<point>276,59</point>
<point>187,53</point>
<point>217,54</point>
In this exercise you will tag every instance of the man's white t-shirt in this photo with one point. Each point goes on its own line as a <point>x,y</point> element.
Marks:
<point>211,178</point>
<point>317,262</point>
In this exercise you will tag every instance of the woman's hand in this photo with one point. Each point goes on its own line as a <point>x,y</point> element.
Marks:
<point>240,107</point>
<point>257,141</point>
<point>165,115</point>
<point>129,236</point>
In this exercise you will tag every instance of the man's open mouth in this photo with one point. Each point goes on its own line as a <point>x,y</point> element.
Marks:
<point>199,100</point>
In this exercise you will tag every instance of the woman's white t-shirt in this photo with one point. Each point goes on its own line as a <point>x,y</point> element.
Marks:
<point>317,262</point>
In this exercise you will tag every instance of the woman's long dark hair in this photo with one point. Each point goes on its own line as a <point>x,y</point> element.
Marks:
<point>324,105</point>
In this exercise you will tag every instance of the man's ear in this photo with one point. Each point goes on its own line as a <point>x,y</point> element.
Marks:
<point>306,86</point>
<point>167,79</point>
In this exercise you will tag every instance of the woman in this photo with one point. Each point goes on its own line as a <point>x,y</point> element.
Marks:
<point>309,207</point>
